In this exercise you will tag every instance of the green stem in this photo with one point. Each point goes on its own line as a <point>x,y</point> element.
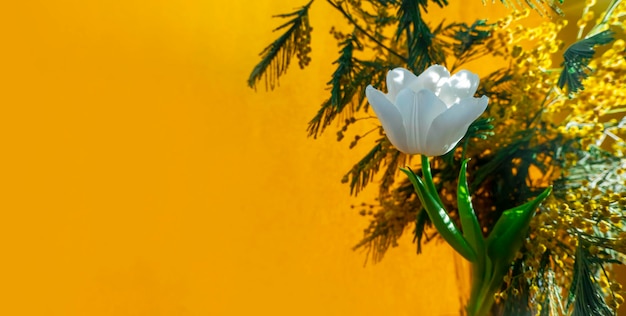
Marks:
<point>428,179</point>
<point>491,257</point>
<point>480,298</point>
<point>439,217</point>
<point>485,299</point>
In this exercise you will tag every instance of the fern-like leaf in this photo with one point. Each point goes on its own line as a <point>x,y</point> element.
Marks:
<point>341,87</point>
<point>347,86</point>
<point>585,294</point>
<point>277,56</point>
<point>576,60</point>
<point>418,35</point>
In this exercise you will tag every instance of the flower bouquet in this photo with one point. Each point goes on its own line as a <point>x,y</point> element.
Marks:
<point>521,171</point>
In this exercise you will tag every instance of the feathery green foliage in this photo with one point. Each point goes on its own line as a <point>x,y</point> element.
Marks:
<point>345,93</point>
<point>277,56</point>
<point>342,89</point>
<point>467,41</point>
<point>526,141</point>
<point>418,35</point>
<point>576,60</point>
<point>585,295</point>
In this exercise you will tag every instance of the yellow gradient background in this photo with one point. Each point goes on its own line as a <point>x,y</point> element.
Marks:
<point>140,176</point>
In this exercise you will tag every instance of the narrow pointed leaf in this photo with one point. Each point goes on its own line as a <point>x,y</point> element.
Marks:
<point>440,218</point>
<point>473,234</point>
<point>504,241</point>
<point>501,245</point>
<point>469,222</point>
<point>508,232</point>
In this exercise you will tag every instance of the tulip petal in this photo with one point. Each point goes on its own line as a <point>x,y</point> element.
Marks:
<point>461,85</point>
<point>418,111</point>
<point>389,117</point>
<point>430,78</point>
<point>450,126</point>
<point>398,79</point>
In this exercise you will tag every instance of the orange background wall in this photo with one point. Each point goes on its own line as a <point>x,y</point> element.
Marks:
<point>140,176</point>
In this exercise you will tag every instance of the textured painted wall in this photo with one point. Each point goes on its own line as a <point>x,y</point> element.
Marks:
<point>140,175</point>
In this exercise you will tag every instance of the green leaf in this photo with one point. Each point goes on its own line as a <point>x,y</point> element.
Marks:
<point>473,233</point>
<point>503,242</point>
<point>585,293</point>
<point>418,35</point>
<point>277,56</point>
<point>508,233</point>
<point>440,218</point>
<point>467,38</point>
<point>347,86</point>
<point>576,60</point>
<point>469,222</point>
<point>342,90</point>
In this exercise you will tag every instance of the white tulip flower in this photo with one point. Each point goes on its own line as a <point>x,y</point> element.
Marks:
<point>430,113</point>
